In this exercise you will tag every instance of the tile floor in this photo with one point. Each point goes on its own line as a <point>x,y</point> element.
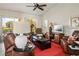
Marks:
<point>2,49</point>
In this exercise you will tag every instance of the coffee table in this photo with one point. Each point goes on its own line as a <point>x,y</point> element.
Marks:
<point>43,44</point>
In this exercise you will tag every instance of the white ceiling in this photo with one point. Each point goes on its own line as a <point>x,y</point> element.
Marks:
<point>21,7</point>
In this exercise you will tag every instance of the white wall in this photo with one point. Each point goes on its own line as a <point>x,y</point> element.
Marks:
<point>0,27</point>
<point>60,14</point>
<point>34,17</point>
<point>21,27</point>
<point>22,16</point>
<point>0,30</point>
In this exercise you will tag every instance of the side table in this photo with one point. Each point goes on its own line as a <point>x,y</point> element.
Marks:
<point>73,50</point>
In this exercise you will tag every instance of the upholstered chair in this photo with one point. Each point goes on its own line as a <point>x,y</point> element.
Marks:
<point>9,44</point>
<point>67,40</point>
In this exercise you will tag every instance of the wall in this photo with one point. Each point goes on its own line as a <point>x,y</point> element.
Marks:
<point>61,13</point>
<point>0,26</point>
<point>21,27</point>
<point>36,18</point>
<point>9,13</point>
<point>22,16</point>
<point>0,30</point>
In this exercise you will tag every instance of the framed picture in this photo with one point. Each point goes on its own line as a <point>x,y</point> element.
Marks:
<point>58,29</point>
<point>74,21</point>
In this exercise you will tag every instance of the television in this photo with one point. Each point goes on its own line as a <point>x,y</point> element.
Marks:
<point>58,29</point>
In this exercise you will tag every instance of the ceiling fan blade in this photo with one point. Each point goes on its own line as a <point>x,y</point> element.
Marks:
<point>36,4</point>
<point>34,8</point>
<point>41,8</point>
<point>42,5</point>
<point>30,6</point>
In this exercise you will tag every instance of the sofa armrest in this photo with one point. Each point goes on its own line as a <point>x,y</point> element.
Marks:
<point>64,45</point>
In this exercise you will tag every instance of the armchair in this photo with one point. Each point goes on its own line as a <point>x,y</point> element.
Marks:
<point>9,43</point>
<point>69,40</point>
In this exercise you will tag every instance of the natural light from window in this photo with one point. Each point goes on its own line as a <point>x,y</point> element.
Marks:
<point>7,24</point>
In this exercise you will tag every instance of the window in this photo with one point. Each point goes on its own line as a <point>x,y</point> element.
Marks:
<point>7,24</point>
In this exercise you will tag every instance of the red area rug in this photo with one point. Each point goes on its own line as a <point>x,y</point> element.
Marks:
<point>55,50</point>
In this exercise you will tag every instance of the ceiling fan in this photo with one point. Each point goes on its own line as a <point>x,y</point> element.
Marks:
<point>36,5</point>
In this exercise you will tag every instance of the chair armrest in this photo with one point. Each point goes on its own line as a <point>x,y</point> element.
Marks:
<point>64,45</point>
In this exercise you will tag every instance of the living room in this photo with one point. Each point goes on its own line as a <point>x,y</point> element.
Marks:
<point>30,20</point>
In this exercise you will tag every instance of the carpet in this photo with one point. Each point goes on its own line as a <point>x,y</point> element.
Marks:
<point>55,50</point>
